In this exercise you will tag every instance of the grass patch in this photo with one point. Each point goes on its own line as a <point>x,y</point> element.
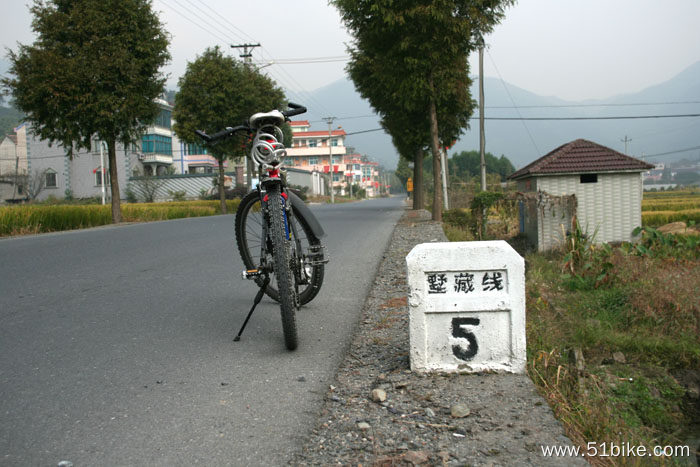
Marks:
<point>648,318</point>
<point>613,337</point>
<point>658,218</point>
<point>32,219</point>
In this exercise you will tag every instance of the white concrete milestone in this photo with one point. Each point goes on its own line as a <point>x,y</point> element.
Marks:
<point>466,307</point>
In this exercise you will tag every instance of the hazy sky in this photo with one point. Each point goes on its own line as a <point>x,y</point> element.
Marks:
<point>572,49</point>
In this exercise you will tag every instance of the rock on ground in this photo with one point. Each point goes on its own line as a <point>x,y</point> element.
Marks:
<point>508,421</point>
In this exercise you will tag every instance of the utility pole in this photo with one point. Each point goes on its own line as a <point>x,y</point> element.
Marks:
<point>14,185</point>
<point>330,120</point>
<point>482,133</point>
<point>626,140</point>
<point>102,169</point>
<point>443,153</point>
<point>246,56</point>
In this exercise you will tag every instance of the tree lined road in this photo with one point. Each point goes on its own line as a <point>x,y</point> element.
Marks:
<point>116,343</point>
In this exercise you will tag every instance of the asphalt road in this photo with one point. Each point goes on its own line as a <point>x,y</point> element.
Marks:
<point>116,343</point>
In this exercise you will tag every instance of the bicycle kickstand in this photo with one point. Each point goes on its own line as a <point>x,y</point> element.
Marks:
<point>258,297</point>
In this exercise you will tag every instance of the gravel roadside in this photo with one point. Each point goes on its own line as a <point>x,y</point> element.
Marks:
<point>379,413</point>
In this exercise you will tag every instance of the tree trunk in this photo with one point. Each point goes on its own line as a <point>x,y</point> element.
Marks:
<point>435,147</point>
<point>222,190</point>
<point>418,198</point>
<point>113,180</point>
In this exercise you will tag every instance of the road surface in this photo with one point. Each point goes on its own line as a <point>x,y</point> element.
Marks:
<point>116,343</point>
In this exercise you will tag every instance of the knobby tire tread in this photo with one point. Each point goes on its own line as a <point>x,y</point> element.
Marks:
<point>284,274</point>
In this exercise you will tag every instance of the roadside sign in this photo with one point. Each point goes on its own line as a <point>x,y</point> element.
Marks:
<point>466,307</point>
<point>409,185</point>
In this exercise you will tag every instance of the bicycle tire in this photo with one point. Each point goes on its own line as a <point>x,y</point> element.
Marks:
<point>248,226</point>
<point>286,287</point>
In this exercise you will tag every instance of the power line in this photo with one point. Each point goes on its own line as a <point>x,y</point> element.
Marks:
<point>297,61</point>
<point>532,140</point>
<point>209,28</point>
<point>208,24</point>
<point>218,38</point>
<point>672,152</point>
<point>562,106</point>
<point>215,18</point>
<point>631,117</point>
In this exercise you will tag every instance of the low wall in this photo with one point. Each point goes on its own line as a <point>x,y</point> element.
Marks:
<point>164,186</point>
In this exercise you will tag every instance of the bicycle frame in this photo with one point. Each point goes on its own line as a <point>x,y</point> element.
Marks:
<point>284,218</point>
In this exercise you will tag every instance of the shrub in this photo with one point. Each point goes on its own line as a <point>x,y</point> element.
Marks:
<point>177,195</point>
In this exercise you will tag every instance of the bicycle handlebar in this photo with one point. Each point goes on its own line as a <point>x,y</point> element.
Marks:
<point>296,109</point>
<point>221,134</point>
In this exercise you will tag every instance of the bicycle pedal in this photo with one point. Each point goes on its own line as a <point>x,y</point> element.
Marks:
<point>251,273</point>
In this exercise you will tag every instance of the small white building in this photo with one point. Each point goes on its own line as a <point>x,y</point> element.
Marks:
<point>607,186</point>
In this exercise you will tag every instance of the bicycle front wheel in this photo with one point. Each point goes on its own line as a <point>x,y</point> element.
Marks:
<point>308,250</point>
<point>280,237</point>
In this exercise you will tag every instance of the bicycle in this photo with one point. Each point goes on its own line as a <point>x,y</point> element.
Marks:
<point>274,222</point>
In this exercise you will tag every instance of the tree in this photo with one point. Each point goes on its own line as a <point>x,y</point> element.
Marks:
<point>409,56</point>
<point>467,164</point>
<point>216,92</point>
<point>92,72</point>
<point>33,184</point>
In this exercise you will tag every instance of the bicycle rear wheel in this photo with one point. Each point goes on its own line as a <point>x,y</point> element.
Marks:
<point>305,247</point>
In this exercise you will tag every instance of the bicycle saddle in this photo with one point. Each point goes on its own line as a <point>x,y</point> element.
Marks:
<point>261,119</point>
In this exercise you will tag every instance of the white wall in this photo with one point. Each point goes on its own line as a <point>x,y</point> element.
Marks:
<point>613,205</point>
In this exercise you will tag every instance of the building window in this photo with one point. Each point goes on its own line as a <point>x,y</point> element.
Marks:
<point>336,177</point>
<point>589,178</point>
<point>163,119</point>
<point>313,160</point>
<point>334,142</point>
<point>50,181</point>
<point>348,168</point>
<point>157,144</point>
<point>313,143</point>
<point>195,149</point>
<point>357,166</point>
<point>99,172</point>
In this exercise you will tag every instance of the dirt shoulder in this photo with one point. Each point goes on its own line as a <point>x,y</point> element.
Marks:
<point>437,419</point>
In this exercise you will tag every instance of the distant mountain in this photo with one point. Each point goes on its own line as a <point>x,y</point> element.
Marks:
<point>524,141</point>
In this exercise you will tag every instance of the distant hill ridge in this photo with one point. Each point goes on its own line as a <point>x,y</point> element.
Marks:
<point>523,142</point>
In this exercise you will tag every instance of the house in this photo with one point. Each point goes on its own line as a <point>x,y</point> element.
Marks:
<point>607,194</point>
<point>312,151</point>
<point>13,168</point>
<point>86,174</point>
<point>156,155</point>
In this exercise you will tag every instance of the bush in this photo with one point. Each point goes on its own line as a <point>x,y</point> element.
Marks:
<point>177,195</point>
<point>458,218</point>
<point>233,193</point>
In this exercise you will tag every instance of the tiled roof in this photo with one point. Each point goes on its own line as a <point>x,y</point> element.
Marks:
<point>299,123</point>
<point>581,156</point>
